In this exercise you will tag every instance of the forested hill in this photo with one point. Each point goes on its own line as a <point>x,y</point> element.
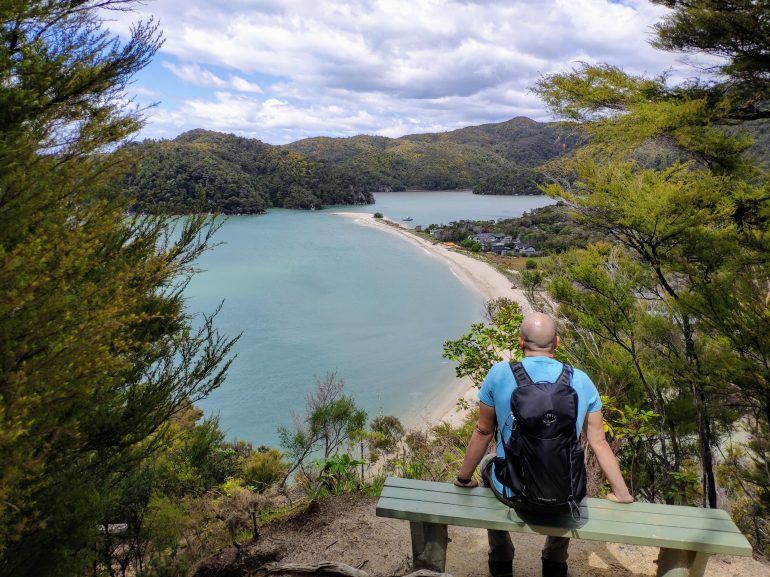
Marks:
<point>499,158</point>
<point>205,171</point>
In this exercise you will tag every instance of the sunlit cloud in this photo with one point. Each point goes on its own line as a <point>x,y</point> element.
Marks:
<point>282,70</point>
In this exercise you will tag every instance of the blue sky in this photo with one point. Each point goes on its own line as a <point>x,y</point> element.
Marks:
<point>281,70</point>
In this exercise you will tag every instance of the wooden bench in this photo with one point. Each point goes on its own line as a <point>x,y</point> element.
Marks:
<point>686,536</point>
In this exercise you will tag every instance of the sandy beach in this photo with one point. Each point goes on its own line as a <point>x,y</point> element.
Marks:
<point>479,276</point>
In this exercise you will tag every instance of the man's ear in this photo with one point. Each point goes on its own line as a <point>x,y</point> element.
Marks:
<point>556,342</point>
<point>522,343</point>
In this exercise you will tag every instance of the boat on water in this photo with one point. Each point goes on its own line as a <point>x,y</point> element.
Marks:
<point>407,219</point>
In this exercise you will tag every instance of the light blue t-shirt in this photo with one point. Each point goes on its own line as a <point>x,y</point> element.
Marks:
<point>500,383</point>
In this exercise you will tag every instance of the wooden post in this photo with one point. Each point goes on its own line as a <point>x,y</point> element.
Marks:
<point>681,563</point>
<point>429,543</point>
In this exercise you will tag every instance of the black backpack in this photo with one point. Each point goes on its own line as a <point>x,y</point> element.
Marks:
<point>544,467</point>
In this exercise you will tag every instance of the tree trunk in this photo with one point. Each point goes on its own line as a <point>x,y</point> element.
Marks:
<point>707,456</point>
<point>704,426</point>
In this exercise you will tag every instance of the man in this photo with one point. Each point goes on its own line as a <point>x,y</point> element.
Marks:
<point>538,340</point>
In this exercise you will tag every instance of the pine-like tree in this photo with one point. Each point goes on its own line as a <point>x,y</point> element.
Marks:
<point>97,352</point>
<point>668,176</point>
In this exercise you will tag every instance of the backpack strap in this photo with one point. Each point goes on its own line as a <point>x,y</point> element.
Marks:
<point>520,374</point>
<point>523,378</point>
<point>565,378</point>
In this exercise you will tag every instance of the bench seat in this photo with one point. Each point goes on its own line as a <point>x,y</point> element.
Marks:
<point>685,535</point>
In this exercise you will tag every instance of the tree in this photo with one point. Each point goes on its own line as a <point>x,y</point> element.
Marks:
<point>735,30</point>
<point>693,212</point>
<point>97,352</point>
<point>487,343</point>
<point>330,421</point>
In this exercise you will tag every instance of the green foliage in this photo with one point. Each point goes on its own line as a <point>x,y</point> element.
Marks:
<point>681,298</point>
<point>97,352</point>
<point>532,283</point>
<point>378,215</point>
<point>592,92</point>
<point>164,501</point>
<point>514,179</point>
<point>728,29</point>
<point>204,171</point>
<point>387,432</point>
<point>331,421</point>
<point>434,454</point>
<point>487,343</point>
<point>551,229</point>
<point>338,474</point>
<point>263,468</point>
<point>531,264</point>
<point>471,245</point>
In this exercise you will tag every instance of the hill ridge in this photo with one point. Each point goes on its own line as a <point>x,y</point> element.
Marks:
<point>203,170</point>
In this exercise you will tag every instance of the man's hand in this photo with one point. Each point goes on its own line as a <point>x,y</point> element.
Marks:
<point>469,485</point>
<point>613,497</point>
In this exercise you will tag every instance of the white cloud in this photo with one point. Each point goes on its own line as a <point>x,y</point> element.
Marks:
<point>384,66</point>
<point>195,74</point>
<point>243,85</point>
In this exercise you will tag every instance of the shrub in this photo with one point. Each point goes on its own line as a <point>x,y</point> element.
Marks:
<point>531,264</point>
<point>263,468</point>
<point>387,431</point>
<point>338,474</point>
<point>377,215</point>
<point>471,245</point>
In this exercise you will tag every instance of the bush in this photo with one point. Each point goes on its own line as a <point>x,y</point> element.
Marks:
<point>471,245</point>
<point>338,475</point>
<point>377,215</point>
<point>263,468</point>
<point>387,431</point>
<point>531,264</point>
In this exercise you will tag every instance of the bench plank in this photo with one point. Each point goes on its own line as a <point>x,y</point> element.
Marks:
<point>666,526</point>
<point>587,511</point>
<point>608,531</point>
<point>636,507</point>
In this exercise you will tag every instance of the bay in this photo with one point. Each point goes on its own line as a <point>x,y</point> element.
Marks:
<point>445,206</point>
<point>314,292</point>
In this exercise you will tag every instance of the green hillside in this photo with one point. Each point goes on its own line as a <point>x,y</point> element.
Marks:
<point>204,171</point>
<point>491,158</point>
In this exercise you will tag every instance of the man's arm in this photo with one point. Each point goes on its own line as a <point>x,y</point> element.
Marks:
<point>477,447</point>
<point>606,458</point>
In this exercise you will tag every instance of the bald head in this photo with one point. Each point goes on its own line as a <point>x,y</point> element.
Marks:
<point>538,333</point>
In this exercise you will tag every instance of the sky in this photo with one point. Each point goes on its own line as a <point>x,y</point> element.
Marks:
<point>282,70</point>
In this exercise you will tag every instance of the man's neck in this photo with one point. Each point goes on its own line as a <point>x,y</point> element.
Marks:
<point>528,353</point>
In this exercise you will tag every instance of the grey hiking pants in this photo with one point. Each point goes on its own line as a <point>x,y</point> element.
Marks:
<point>500,544</point>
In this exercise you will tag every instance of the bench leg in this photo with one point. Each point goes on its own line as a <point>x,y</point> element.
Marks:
<point>680,563</point>
<point>429,543</point>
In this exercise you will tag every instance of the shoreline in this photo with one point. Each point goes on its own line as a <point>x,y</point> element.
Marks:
<point>480,277</point>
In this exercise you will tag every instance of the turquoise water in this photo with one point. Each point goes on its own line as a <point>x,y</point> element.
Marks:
<point>315,292</point>
<point>442,207</point>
